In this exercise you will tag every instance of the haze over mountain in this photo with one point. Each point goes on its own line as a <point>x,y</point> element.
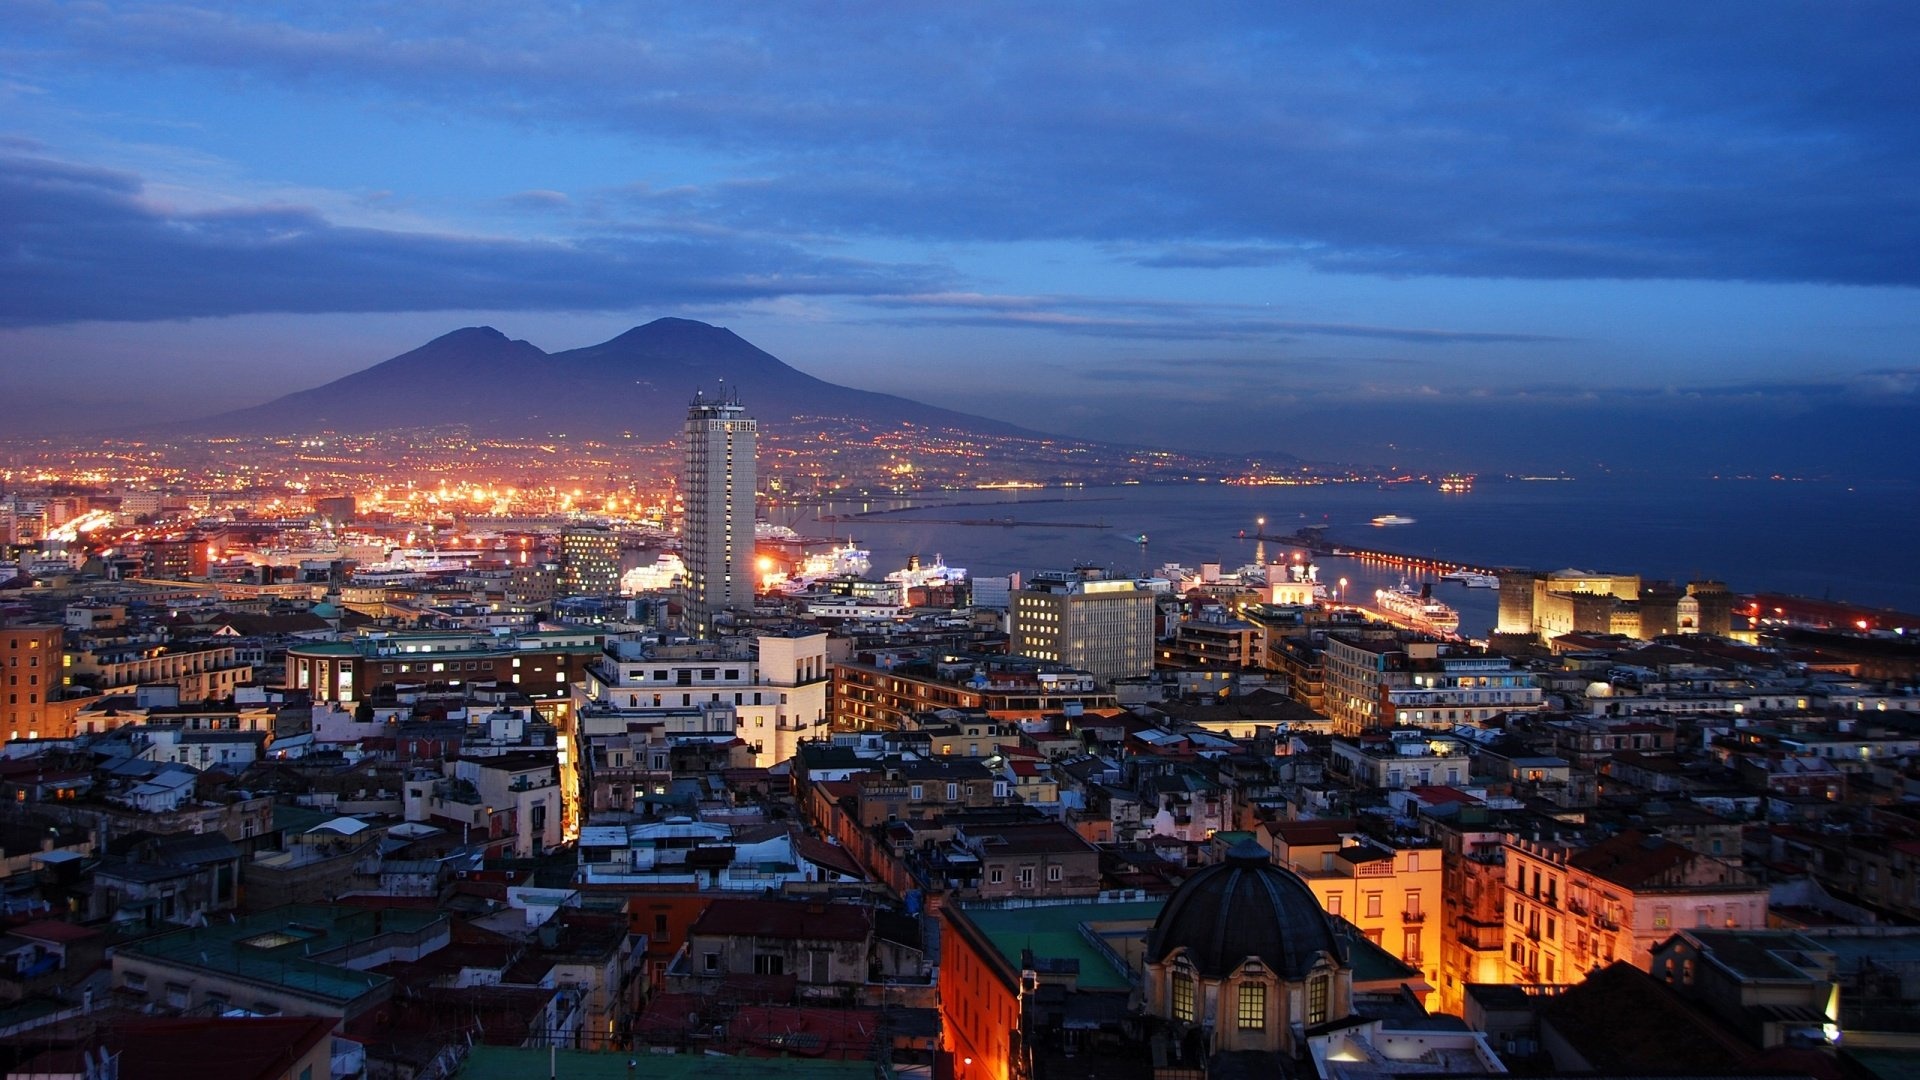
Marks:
<point>639,383</point>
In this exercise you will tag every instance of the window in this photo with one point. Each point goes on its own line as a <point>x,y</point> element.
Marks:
<point>1319,989</point>
<point>996,875</point>
<point>1026,877</point>
<point>1333,904</point>
<point>918,792</point>
<point>1053,873</point>
<point>769,964</point>
<point>1183,996</point>
<point>1373,905</point>
<point>1253,1006</point>
<point>953,792</point>
<point>713,961</point>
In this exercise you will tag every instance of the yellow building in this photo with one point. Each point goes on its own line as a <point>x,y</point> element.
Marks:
<point>1392,893</point>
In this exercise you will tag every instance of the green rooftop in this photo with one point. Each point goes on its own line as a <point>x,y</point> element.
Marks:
<point>288,947</point>
<point>1054,931</point>
<point>518,1063</point>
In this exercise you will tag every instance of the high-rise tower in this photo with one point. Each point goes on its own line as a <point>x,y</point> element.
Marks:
<point>716,486</point>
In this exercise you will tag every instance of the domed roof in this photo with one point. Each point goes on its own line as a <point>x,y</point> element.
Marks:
<point>1241,907</point>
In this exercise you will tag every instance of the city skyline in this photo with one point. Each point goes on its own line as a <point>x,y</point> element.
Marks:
<point>1476,236</point>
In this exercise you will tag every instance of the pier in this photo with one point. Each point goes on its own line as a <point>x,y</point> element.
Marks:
<point>1315,542</point>
<point>1004,522</point>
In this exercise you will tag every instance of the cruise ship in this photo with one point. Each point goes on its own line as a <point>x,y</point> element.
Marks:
<point>1419,607</point>
<point>1456,483</point>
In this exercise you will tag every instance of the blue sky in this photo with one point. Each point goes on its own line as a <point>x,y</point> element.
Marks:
<point>1471,233</point>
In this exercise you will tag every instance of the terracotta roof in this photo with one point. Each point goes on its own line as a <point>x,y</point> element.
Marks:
<point>49,930</point>
<point>784,919</point>
<point>1632,858</point>
<point>831,856</point>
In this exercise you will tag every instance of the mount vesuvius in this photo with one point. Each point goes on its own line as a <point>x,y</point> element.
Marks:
<point>638,383</point>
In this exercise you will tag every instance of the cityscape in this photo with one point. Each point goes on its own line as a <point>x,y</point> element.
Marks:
<point>1350,544</point>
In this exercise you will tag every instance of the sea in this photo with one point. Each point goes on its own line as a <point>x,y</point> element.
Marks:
<point>1824,539</point>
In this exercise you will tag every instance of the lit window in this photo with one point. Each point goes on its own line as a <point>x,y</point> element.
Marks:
<point>1183,996</point>
<point>1319,989</point>
<point>1253,1006</point>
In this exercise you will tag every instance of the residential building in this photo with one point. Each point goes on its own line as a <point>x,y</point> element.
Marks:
<point>883,689</point>
<point>1572,911</point>
<point>1410,680</point>
<point>775,686</point>
<point>543,665</point>
<point>1391,892</point>
<point>31,667</point>
<point>301,960</point>
<point>1400,759</point>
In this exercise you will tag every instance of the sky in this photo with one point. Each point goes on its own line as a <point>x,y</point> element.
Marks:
<point>1478,235</point>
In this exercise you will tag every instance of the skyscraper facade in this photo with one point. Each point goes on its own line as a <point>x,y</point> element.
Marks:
<point>716,488</point>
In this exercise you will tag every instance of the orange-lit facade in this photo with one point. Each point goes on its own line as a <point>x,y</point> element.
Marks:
<point>30,667</point>
<point>979,1001</point>
<point>1392,894</point>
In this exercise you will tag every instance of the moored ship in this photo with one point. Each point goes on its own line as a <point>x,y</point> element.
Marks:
<point>1419,608</point>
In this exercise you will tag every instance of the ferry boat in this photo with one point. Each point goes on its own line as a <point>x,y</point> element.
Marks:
<point>1392,519</point>
<point>1456,483</point>
<point>1418,607</point>
<point>845,561</point>
<point>936,573</point>
<point>1472,580</point>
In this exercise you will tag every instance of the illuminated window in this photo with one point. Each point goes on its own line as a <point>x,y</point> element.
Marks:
<point>1318,990</point>
<point>1253,1006</point>
<point>1183,996</point>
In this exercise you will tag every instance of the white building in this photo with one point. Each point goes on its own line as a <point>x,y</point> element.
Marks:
<point>774,685</point>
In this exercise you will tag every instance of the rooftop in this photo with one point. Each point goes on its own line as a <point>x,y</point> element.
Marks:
<point>286,947</point>
<point>516,1063</point>
<point>1053,931</point>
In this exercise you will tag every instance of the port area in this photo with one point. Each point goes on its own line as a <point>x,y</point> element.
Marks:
<point>1315,543</point>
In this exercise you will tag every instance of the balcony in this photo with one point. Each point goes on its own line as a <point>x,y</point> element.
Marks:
<point>1577,906</point>
<point>1413,917</point>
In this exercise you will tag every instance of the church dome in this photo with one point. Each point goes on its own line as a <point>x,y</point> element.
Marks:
<point>1245,907</point>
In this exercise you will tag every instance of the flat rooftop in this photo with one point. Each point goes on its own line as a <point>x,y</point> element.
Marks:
<point>278,947</point>
<point>1053,931</point>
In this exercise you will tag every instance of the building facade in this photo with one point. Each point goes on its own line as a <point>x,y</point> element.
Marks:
<point>589,561</point>
<point>30,665</point>
<point>1081,619</point>
<point>717,488</point>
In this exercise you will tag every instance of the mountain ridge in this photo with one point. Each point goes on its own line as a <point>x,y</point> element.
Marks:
<point>636,383</point>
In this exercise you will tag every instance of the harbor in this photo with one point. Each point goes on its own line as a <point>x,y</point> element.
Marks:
<point>1315,542</point>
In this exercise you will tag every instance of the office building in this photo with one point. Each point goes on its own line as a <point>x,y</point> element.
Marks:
<point>589,561</point>
<point>716,487</point>
<point>1086,621</point>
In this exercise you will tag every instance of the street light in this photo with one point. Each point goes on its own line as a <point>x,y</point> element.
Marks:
<point>1342,590</point>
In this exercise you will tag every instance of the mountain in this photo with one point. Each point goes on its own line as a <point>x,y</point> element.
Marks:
<point>638,383</point>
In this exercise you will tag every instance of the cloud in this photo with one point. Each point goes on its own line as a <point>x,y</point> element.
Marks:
<point>538,199</point>
<point>79,243</point>
<point>1150,319</point>
<point>1218,256</point>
